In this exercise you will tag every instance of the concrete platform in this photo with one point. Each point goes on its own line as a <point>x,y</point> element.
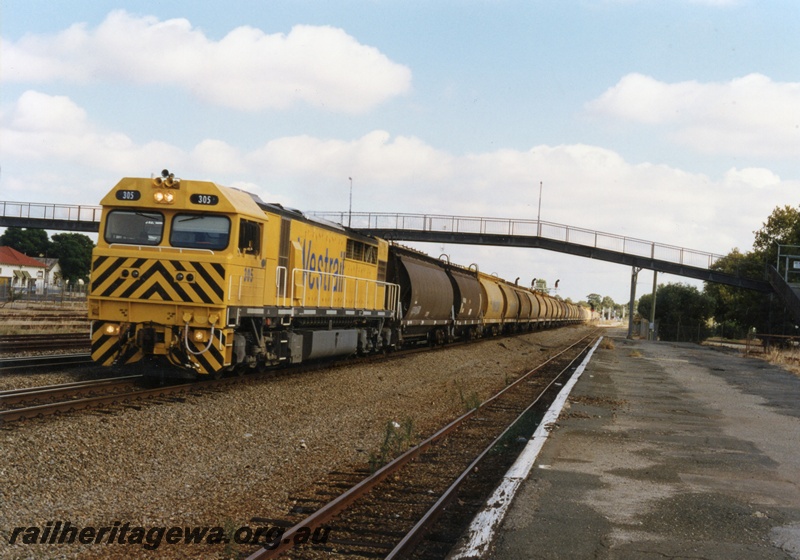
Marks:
<point>665,451</point>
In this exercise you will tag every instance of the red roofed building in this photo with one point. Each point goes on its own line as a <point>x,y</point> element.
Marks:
<point>20,272</point>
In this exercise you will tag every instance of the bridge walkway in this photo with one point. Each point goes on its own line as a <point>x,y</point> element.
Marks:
<point>581,242</point>
<point>432,228</point>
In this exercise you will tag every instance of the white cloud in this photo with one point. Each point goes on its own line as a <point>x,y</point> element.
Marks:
<point>35,111</point>
<point>747,116</point>
<point>758,178</point>
<point>247,69</point>
<point>52,130</point>
<point>63,152</point>
<point>582,184</point>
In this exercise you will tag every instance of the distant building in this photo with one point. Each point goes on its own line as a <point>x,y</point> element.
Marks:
<point>21,273</point>
<point>52,274</point>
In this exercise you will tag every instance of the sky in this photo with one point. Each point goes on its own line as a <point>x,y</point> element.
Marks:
<point>674,121</point>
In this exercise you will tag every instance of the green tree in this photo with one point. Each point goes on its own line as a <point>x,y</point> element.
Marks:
<point>737,310</point>
<point>595,301</point>
<point>31,242</point>
<point>682,312</point>
<point>74,254</point>
<point>782,227</point>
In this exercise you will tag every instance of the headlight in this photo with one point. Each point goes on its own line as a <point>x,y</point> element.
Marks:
<point>111,330</point>
<point>162,197</point>
<point>200,336</point>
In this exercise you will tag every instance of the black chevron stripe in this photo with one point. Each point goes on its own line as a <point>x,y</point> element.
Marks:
<point>102,278</point>
<point>156,288</point>
<point>195,292</point>
<point>214,284</point>
<point>143,278</point>
<point>112,287</point>
<point>204,297</point>
<point>216,360</point>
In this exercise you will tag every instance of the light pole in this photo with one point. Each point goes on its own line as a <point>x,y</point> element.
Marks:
<point>539,214</point>
<point>350,211</point>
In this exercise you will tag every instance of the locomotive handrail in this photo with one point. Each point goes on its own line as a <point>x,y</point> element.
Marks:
<point>390,295</point>
<point>160,249</point>
<point>521,227</point>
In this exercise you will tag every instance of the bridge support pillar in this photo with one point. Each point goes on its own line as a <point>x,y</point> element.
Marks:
<point>631,310</point>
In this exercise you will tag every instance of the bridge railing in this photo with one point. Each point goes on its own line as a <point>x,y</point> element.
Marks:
<point>40,211</point>
<point>532,228</point>
<point>431,222</point>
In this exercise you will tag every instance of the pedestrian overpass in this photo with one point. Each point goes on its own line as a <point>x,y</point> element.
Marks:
<point>580,242</point>
<point>433,228</point>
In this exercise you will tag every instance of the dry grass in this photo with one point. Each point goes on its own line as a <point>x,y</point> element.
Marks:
<point>789,359</point>
<point>607,344</point>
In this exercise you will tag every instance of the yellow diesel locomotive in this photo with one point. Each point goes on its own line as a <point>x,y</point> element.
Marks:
<point>195,279</point>
<point>212,279</point>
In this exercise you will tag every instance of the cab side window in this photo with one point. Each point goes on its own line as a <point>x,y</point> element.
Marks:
<point>250,237</point>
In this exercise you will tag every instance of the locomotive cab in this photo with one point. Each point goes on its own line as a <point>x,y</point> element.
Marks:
<point>171,256</point>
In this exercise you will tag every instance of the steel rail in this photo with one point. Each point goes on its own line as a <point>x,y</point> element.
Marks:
<point>412,538</point>
<point>343,501</point>
<point>23,342</point>
<point>27,362</point>
<point>14,396</point>
<point>89,402</point>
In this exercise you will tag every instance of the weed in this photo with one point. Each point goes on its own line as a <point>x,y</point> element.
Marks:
<point>229,527</point>
<point>396,439</point>
<point>607,344</point>
<point>471,401</point>
<point>635,354</point>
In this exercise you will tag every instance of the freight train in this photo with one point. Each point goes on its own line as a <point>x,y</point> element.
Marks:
<point>197,279</point>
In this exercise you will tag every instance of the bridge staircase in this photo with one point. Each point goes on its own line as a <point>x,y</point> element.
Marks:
<point>785,278</point>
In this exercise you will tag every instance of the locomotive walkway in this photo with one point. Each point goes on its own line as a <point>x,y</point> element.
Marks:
<point>666,451</point>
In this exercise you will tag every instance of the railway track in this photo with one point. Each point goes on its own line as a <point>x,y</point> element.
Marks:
<point>20,363</point>
<point>38,402</point>
<point>35,342</point>
<point>418,504</point>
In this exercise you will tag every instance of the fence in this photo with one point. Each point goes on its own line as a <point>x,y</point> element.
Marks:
<point>71,295</point>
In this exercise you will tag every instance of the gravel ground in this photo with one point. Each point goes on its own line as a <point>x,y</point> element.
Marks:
<point>220,458</point>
